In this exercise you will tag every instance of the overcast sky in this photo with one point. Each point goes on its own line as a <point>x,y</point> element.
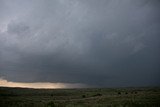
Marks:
<point>101,43</point>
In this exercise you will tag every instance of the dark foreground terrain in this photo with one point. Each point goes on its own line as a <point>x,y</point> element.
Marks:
<point>101,97</point>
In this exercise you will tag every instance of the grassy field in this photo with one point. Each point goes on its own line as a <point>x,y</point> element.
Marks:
<point>100,97</point>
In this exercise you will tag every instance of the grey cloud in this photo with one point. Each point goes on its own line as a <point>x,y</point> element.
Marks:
<point>101,43</point>
<point>17,28</point>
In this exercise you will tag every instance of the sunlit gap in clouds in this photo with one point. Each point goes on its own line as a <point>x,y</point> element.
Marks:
<point>40,85</point>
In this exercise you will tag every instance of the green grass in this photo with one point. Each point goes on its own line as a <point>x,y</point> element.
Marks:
<point>100,97</point>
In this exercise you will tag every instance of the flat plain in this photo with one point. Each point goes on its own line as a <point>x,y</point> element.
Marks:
<point>87,97</point>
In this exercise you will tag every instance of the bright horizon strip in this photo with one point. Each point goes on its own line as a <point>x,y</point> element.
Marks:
<point>40,85</point>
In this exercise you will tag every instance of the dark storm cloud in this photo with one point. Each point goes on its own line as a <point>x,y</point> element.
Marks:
<point>101,43</point>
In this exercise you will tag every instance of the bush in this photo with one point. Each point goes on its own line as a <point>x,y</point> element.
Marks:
<point>83,96</point>
<point>51,104</point>
<point>119,93</point>
<point>98,94</point>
